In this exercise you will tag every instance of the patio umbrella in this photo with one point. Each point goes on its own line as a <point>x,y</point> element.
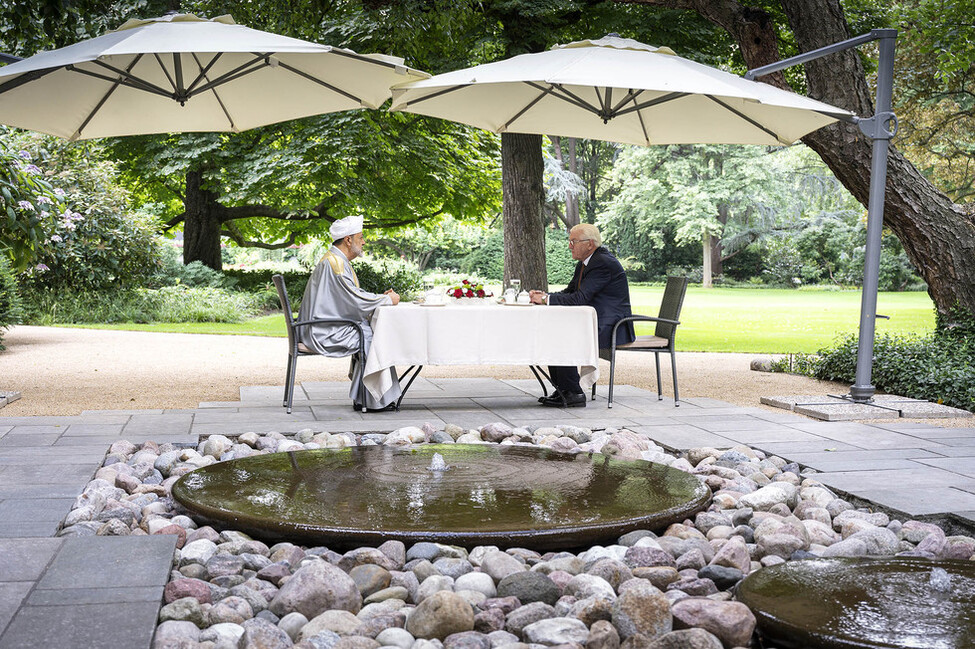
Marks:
<point>620,90</point>
<point>183,73</point>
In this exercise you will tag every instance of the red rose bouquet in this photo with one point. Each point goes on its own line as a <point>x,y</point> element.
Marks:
<point>468,288</point>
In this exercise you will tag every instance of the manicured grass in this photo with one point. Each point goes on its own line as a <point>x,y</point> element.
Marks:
<point>779,321</point>
<point>765,321</point>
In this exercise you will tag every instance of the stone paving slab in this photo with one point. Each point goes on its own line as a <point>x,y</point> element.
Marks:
<point>683,437</point>
<point>11,596</point>
<point>26,559</point>
<point>962,465</point>
<point>762,435</point>
<point>21,438</point>
<point>34,510</point>
<point>84,430</point>
<point>116,624</point>
<point>5,429</point>
<point>790,449</point>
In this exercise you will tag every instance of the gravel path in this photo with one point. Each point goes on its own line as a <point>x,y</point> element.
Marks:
<point>62,371</point>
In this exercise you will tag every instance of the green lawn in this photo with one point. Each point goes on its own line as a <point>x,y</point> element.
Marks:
<point>780,321</point>
<point>715,320</point>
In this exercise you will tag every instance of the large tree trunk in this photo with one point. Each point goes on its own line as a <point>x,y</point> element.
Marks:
<point>938,236</point>
<point>523,195</point>
<point>201,224</point>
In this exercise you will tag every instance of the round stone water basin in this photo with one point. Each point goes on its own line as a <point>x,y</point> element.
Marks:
<point>488,494</point>
<point>907,603</point>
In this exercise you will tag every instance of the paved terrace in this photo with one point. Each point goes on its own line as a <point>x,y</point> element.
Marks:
<point>106,591</point>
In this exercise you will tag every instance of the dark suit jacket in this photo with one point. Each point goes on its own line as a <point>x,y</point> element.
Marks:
<point>602,285</point>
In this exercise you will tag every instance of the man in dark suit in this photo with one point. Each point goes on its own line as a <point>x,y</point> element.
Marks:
<point>599,282</point>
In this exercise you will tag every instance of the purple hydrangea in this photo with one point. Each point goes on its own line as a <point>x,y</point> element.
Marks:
<point>26,205</point>
<point>42,267</point>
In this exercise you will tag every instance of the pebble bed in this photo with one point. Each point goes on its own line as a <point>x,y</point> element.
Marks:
<point>672,591</point>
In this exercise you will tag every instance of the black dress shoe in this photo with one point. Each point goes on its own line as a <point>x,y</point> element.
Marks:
<point>558,400</point>
<point>358,408</point>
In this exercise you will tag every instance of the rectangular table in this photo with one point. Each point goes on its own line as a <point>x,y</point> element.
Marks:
<point>482,334</point>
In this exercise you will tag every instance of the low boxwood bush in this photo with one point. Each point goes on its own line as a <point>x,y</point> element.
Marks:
<point>939,367</point>
<point>10,307</point>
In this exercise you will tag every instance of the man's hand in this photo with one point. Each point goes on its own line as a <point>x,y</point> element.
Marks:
<point>393,294</point>
<point>538,297</point>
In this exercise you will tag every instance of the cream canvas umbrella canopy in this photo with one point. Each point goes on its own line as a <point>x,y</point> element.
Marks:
<point>183,73</point>
<point>620,90</point>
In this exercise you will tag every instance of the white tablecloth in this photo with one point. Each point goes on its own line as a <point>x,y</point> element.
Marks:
<point>489,334</point>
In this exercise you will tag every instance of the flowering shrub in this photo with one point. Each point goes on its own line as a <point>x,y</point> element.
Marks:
<point>29,206</point>
<point>467,288</point>
<point>89,240</point>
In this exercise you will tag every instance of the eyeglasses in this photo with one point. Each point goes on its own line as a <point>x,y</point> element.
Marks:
<point>573,242</point>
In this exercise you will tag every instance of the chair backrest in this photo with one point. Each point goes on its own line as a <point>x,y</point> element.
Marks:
<point>670,306</point>
<point>289,317</point>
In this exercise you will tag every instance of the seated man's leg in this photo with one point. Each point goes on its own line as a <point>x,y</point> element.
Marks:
<point>568,391</point>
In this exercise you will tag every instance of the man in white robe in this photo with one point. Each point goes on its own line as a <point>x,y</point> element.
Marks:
<point>333,292</point>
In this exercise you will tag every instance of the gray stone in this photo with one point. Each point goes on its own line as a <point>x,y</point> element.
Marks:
<point>489,620</point>
<point>292,624</point>
<point>732,622</point>
<point>222,635</point>
<point>175,631</point>
<point>613,571</point>
<point>222,564</point>
<point>232,609</point>
<point>432,585</point>
<point>687,639</point>
<point>642,609</point>
<point>199,551</point>
<point>453,567</point>
<point>314,588</point>
<point>529,587</point>
<point>423,550</point>
<point>557,630</point>
<point>342,623</point>
<point>440,615</point>
<point>592,609</point>
<point>370,578</point>
<point>587,585</point>
<point>518,619</point>
<point>186,609</point>
<point>603,635</point>
<point>643,556</point>
<point>467,640</point>
<point>395,637</point>
<point>262,634</point>
<point>476,581</point>
<point>499,565</point>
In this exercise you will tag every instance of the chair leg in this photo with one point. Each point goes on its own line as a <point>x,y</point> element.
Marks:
<point>291,383</point>
<point>287,374</point>
<point>612,377</point>
<point>593,392</point>
<point>673,366</point>
<point>660,388</point>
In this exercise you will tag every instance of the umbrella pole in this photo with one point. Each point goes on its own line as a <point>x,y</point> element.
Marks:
<point>880,128</point>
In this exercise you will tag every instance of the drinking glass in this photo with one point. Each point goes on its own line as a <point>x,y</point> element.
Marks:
<point>516,285</point>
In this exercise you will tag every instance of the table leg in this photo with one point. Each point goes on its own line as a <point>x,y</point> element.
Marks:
<point>408,383</point>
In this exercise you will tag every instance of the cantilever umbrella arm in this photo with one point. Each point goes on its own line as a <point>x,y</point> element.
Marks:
<point>880,128</point>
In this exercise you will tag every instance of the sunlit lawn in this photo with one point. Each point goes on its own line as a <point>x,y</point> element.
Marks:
<point>715,320</point>
<point>780,321</point>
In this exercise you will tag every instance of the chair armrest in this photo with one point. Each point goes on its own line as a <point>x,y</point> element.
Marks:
<point>350,323</point>
<point>636,318</point>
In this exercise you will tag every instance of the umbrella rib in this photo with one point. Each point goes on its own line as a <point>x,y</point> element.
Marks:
<point>321,82</point>
<point>630,96</point>
<point>104,98</point>
<point>260,60</point>
<point>203,70</point>
<point>567,96</point>
<point>529,106</point>
<point>748,119</point>
<point>653,102</point>
<point>434,95</point>
<point>202,75</point>
<point>127,78</point>
<point>27,77</point>
<point>162,67</point>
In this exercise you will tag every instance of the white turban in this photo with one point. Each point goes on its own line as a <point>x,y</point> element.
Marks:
<point>344,227</point>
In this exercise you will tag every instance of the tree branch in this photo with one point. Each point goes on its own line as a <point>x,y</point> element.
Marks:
<point>234,235</point>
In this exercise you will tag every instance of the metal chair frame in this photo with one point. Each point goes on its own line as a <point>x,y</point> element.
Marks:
<point>667,321</point>
<point>294,352</point>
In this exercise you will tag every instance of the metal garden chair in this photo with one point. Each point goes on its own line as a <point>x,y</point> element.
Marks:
<point>296,349</point>
<point>662,342</point>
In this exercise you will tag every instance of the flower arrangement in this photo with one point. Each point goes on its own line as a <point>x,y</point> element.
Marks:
<point>468,288</point>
